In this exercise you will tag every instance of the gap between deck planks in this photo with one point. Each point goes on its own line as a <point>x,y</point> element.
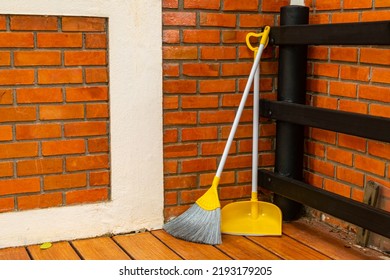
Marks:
<point>300,241</point>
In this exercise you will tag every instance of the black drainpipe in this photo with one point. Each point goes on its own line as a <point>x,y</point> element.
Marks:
<point>291,88</point>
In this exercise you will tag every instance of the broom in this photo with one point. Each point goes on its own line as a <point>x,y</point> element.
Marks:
<point>201,223</point>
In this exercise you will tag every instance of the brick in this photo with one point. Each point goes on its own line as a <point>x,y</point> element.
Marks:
<point>65,181</point>
<point>337,187</point>
<point>201,69</point>
<point>353,106</point>
<point>86,196</point>
<point>83,24</point>
<point>95,41</point>
<point>99,178</point>
<point>6,133</point>
<point>47,23</point>
<point>19,186</point>
<point>170,136</point>
<point>323,135</point>
<point>233,36</point>
<point>380,110</point>
<point>17,77</point>
<point>96,75</point>
<point>234,5</point>
<point>180,150</point>
<point>199,133</point>
<point>17,40</point>
<point>370,165</point>
<point>319,18</point>
<point>220,20</point>
<point>206,179</point>
<point>170,4</point>
<point>6,169</point>
<point>235,192</point>
<point>97,111</point>
<point>253,20</point>
<point>375,15</point>
<point>189,102</point>
<point>362,4</point>
<point>176,118</point>
<point>350,176</point>
<point>317,85</point>
<point>243,131</point>
<point>343,54</point>
<point>60,76</point>
<point>39,166</point>
<point>352,142</point>
<point>37,58</point>
<point>5,58</point>
<point>37,131</point>
<point>342,89</point>
<point>6,97</point>
<point>190,196</point>
<point>217,148</point>
<point>179,18</point>
<point>171,36</point>
<point>245,146</point>
<point>356,73</point>
<point>315,149</point>
<point>97,145</point>
<point>236,69</point>
<point>318,52</point>
<point>345,17</point>
<point>7,204</point>
<point>339,155</point>
<point>59,40</point>
<point>216,86</point>
<point>225,116</point>
<point>180,52</point>
<point>199,4</point>
<point>382,4</point>
<point>179,86</point>
<point>197,165</point>
<point>379,149</point>
<point>326,70</point>
<point>18,114</point>
<point>201,36</point>
<point>60,112</point>
<point>321,167</point>
<point>240,161</point>
<point>38,95</point>
<point>326,5</point>
<point>273,6</point>
<point>374,93</point>
<point>380,75</point>
<point>217,52</point>
<point>80,163</point>
<point>85,129</point>
<point>325,102</point>
<point>63,147</point>
<point>171,70</point>
<point>170,167</point>
<point>39,201</point>
<point>170,198</point>
<point>3,23</point>
<point>313,179</point>
<point>78,94</point>
<point>18,150</point>
<point>75,58</point>
<point>375,56</point>
<point>170,102</point>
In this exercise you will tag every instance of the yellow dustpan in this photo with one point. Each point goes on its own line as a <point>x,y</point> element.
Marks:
<point>253,217</point>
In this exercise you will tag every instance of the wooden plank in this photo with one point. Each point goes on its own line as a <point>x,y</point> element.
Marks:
<point>241,248</point>
<point>145,246</point>
<point>59,251</point>
<point>288,248</point>
<point>325,242</point>
<point>190,250</point>
<point>18,253</point>
<point>101,248</point>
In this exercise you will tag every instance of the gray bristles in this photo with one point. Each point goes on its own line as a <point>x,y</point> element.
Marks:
<point>197,225</point>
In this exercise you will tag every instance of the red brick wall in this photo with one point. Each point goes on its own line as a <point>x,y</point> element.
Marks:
<point>53,111</point>
<point>206,63</point>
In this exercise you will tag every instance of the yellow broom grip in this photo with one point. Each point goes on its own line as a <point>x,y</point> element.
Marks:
<point>210,201</point>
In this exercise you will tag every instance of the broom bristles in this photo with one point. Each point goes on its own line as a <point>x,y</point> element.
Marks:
<point>197,225</point>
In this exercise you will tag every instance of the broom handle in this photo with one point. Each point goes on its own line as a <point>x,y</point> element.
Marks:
<point>255,137</point>
<point>239,111</point>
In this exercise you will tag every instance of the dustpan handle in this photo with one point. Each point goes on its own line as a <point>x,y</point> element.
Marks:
<point>255,137</point>
<point>239,111</point>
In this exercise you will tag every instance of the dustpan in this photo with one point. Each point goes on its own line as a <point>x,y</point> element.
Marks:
<point>253,217</point>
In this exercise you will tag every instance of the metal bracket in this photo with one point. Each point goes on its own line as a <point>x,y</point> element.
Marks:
<point>371,194</point>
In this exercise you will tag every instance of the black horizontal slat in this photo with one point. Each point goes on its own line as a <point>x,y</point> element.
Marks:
<point>357,213</point>
<point>360,33</point>
<point>371,127</point>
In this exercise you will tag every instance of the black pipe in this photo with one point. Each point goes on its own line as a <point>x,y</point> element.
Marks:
<point>291,88</point>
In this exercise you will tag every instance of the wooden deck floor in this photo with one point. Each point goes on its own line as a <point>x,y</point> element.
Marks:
<point>300,241</point>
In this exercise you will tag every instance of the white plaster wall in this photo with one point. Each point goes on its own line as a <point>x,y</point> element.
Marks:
<point>135,63</point>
